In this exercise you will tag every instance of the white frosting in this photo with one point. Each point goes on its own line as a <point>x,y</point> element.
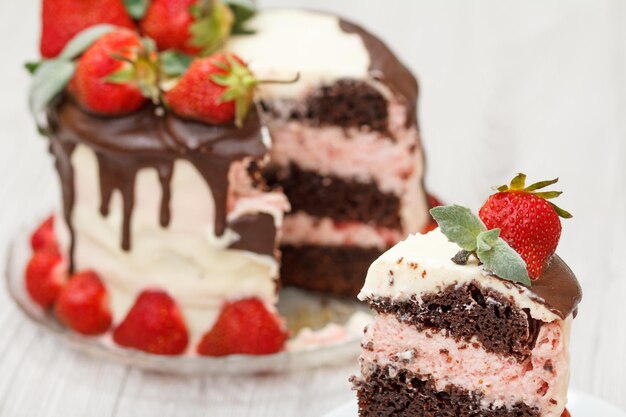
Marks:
<point>422,264</point>
<point>185,259</point>
<point>291,41</point>
<point>540,381</point>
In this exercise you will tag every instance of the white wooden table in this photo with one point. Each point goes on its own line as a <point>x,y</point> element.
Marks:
<point>538,86</point>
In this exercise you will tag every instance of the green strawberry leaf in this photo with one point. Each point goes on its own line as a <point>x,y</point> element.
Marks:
<point>547,195</point>
<point>243,10</point>
<point>562,213</point>
<point>50,79</point>
<point>31,67</point>
<point>519,182</point>
<point>487,240</point>
<point>459,225</point>
<point>541,184</point>
<point>174,64</point>
<point>136,8</point>
<point>84,39</point>
<point>122,76</point>
<point>504,262</point>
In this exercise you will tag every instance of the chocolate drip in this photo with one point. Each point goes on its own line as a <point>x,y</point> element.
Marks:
<point>165,177</point>
<point>386,68</point>
<point>124,145</point>
<point>63,154</point>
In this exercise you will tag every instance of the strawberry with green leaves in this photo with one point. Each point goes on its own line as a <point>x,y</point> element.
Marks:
<point>116,74</point>
<point>528,222</point>
<point>63,19</point>
<point>189,26</point>
<point>217,89</point>
<point>244,327</point>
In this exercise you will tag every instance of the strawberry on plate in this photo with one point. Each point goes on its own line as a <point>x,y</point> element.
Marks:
<point>189,26</point>
<point>528,222</point>
<point>63,19</point>
<point>217,89</point>
<point>44,239</point>
<point>116,74</point>
<point>83,304</point>
<point>46,273</point>
<point>154,325</point>
<point>244,327</point>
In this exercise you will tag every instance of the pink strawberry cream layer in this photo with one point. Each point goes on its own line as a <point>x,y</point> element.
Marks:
<point>299,228</point>
<point>540,381</point>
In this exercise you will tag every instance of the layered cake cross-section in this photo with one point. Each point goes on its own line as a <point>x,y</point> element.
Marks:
<point>453,338</point>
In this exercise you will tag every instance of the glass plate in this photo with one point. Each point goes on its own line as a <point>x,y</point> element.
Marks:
<point>303,310</point>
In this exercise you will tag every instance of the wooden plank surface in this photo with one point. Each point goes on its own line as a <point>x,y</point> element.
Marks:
<point>538,86</point>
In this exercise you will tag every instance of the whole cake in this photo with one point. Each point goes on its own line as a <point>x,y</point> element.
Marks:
<point>182,137</point>
<point>460,329</point>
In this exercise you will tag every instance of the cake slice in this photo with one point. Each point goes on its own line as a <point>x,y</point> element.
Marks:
<point>459,328</point>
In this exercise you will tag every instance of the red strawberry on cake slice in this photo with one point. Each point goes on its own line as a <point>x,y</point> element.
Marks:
<point>154,325</point>
<point>528,222</point>
<point>83,304</point>
<point>63,19</point>
<point>244,327</point>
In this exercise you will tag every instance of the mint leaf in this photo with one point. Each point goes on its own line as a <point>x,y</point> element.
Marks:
<point>459,225</point>
<point>136,8</point>
<point>50,79</point>
<point>504,262</point>
<point>174,64</point>
<point>486,240</point>
<point>84,39</point>
<point>243,10</point>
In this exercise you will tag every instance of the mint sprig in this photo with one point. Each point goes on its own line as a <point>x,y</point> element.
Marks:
<point>464,228</point>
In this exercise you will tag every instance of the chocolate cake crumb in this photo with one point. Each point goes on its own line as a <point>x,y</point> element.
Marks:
<point>399,261</point>
<point>394,392</point>
<point>469,312</point>
<point>334,197</point>
<point>339,270</point>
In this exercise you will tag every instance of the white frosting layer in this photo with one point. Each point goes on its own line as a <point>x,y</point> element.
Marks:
<point>422,264</point>
<point>290,41</point>
<point>185,259</point>
<point>300,228</point>
<point>540,381</point>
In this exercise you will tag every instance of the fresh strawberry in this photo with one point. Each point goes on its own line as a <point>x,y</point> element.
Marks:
<point>116,74</point>
<point>566,413</point>
<point>527,221</point>
<point>63,19</point>
<point>154,325</point>
<point>46,273</point>
<point>245,327</point>
<point>217,90</point>
<point>190,26</point>
<point>83,304</point>
<point>43,239</point>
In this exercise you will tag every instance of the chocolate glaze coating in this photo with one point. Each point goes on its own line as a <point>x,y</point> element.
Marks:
<point>145,139</point>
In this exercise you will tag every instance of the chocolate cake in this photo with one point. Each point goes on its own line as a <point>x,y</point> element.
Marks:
<point>345,144</point>
<point>453,339</point>
<point>156,198</point>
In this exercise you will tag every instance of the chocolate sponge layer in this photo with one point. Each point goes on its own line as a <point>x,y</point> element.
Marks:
<point>337,198</point>
<point>389,393</point>
<point>466,312</point>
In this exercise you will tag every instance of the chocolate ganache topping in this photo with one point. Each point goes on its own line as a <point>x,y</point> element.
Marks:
<point>151,138</point>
